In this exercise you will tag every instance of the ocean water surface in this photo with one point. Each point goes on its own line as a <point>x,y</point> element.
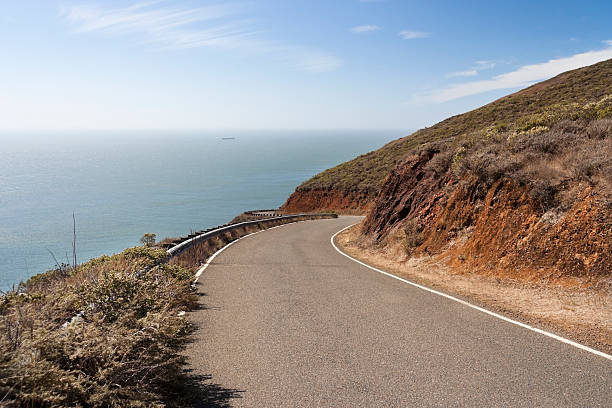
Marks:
<point>121,185</point>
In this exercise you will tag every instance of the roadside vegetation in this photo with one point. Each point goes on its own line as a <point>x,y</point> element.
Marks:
<point>109,332</point>
<point>101,334</point>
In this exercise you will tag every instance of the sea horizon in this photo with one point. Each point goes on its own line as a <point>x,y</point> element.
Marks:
<point>122,184</point>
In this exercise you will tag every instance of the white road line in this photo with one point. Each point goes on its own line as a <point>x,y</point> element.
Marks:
<point>209,260</point>
<point>463,302</point>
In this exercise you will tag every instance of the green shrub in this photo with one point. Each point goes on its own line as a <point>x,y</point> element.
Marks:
<point>148,239</point>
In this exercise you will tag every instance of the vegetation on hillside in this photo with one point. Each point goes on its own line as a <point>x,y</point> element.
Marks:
<point>529,199</point>
<point>556,155</point>
<point>549,152</point>
<point>104,333</point>
<point>578,95</point>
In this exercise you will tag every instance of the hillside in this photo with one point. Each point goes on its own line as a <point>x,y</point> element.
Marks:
<point>520,188</point>
<point>353,185</point>
<point>509,205</point>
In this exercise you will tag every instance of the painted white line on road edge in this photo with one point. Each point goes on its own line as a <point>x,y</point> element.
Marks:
<point>209,260</point>
<point>463,302</point>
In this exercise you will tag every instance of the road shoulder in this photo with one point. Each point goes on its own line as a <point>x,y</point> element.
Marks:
<point>581,315</point>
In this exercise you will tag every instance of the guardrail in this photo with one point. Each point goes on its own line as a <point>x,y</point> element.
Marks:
<point>203,236</point>
<point>263,213</point>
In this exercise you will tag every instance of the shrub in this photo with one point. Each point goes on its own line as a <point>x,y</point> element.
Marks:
<point>534,122</point>
<point>546,143</point>
<point>148,239</point>
<point>441,162</point>
<point>591,160</point>
<point>108,334</point>
<point>544,194</point>
<point>458,158</point>
<point>569,126</point>
<point>599,129</point>
<point>414,237</point>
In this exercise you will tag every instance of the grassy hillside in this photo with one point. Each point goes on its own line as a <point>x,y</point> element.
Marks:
<point>573,95</point>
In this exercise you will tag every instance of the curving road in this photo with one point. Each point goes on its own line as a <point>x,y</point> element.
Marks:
<point>290,322</point>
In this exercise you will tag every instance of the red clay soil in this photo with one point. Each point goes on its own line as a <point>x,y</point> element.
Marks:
<point>512,238</point>
<point>410,191</point>
<point>505,233</point>
<point>303,201</point>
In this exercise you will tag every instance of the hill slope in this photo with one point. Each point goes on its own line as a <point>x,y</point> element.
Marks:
<point>520,188</point>
<point>354,185</point>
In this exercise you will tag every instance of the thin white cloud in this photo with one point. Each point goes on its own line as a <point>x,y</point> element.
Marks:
<point>475,70</point>
<point>482,65</point>
<point>315,62</point>
<point>365,28</point>
<point>522,77</point>
<point>466,73</point>
<point>168,27</point>
<point>411,35</point>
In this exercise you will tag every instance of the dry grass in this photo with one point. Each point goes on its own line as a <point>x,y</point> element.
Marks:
<point>106,333</point>
<point>546,161</point>
<point>579,314</point>
<point>413,235</point>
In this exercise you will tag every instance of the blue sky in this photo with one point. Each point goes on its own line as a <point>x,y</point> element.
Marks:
<point>280,64</point>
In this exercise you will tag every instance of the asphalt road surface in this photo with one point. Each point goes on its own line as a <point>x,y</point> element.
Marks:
<point>290,322</point>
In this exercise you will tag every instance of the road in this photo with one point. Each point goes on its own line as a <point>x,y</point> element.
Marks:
<point>290,322</point>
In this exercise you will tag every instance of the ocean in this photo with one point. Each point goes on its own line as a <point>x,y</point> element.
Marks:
<point>120,185</point>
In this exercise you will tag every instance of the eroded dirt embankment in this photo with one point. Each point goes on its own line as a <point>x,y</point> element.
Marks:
<point>320,200</point>
<point>497,231</point>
